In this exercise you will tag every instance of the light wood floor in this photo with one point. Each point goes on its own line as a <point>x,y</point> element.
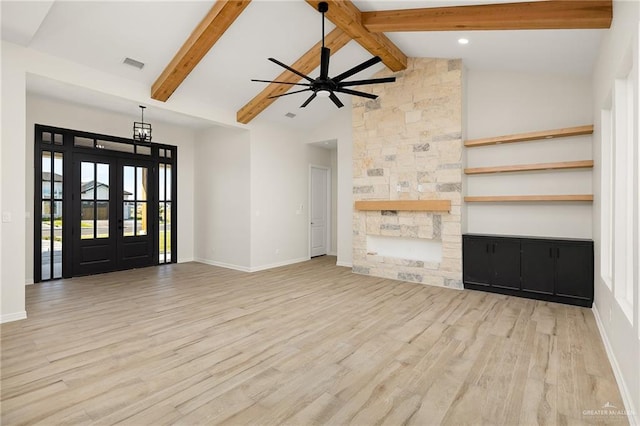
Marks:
<point>305,344</point>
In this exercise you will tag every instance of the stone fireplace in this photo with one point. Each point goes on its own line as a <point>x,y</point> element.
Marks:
<point>408,146</point>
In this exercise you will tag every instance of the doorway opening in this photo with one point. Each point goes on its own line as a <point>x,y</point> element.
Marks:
<point>319,210</point>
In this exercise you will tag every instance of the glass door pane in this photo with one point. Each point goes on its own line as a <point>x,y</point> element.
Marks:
<point>134,194</point>
<point>94,192</point>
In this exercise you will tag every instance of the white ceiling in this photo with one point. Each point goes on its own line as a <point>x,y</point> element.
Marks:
<point>100,34</point>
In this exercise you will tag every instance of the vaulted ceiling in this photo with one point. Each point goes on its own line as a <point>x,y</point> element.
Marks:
<point>209,51</point>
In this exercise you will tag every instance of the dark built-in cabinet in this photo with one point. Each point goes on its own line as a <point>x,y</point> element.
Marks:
<point>556,270</point>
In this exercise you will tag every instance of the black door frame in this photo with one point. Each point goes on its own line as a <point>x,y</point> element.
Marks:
<point>156,153</point>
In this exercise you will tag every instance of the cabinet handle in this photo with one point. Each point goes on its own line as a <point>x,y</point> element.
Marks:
<point>487,246</point>
<point>550,252</point>
<point>494,247</point>
<point>558,252</point>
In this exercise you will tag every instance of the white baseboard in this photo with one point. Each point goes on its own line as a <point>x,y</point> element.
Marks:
<point>29,281</point>
<point>251,269</point>
<point>332,253</point>
<point>634,418</point>
<point>278,264</point>
<point>13,317</point>
<point>223,265</point>
<point>345,264</point>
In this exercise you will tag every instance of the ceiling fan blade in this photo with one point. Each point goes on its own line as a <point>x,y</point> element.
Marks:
<point>282,82</point>
<point>289,93</point>
<point>335,100</point>
<point>363,66</point>
<point>356,93</point>
<point>275,61</point>
<point>324,63</point>
<point>312,97</point>
<point>369,81</point>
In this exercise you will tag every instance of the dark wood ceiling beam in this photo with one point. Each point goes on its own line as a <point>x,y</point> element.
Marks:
<point>346,16</point>
<point>533,15</point>
<point>204,36</point>
<point>335,40</point>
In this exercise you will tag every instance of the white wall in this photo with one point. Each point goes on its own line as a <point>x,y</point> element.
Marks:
<point>84,77</point>
<point>222,202</point>
<point>339,127</point>
<point>621,334</point>
<point>53,112</point>
<point>279,187</point>
<point>12,187</point>
<point>252,196</point>
<point>503,103</point>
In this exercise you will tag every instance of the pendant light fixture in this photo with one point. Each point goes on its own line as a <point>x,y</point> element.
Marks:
<point>142,130</point>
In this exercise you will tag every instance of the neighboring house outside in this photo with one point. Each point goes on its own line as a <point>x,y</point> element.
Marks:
<point>46,194</point>
<point>101,193</point>
<point>46,185</point>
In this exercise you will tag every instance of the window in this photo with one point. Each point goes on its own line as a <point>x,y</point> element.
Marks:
<point>164,210</point>
<point>51,220</point>
<point>95,195</point>
<point>135,181</point>
<point>623,194</point>
<point>606,196</point>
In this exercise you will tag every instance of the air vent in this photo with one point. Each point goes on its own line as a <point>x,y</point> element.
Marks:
<point>134,63</point>
<point>290,115</point>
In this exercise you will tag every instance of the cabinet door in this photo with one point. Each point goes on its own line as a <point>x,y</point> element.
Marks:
<point>505,262</point>
<point>475,261</point>
<point>574,270</point>
<point>538,266</point>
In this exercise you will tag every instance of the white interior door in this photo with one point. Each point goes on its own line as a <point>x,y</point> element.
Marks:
<point>319,217</point>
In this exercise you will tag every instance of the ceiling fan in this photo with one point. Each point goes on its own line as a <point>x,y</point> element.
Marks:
<point>325,86</point>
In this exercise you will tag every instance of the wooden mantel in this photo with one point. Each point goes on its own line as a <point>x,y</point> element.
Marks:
<point>405,205</point>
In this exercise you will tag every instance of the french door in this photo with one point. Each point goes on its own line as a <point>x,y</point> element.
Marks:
<point>112,214</point>
<point>102,203</point>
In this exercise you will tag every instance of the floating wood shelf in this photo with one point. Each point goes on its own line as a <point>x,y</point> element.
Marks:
<point>405,205</point>
<point>585,164</point>
<point>516,198</point>
<point>522,137</point>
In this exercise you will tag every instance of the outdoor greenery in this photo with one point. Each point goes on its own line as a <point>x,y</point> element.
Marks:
<point>162,246</point>
<point>56,222</point>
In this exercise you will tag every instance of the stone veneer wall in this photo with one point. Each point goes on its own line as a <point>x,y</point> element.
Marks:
<point>410,135</point>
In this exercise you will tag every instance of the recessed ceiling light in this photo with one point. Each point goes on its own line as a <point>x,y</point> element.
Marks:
<point>290,115</point>
<point>463,40</point>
